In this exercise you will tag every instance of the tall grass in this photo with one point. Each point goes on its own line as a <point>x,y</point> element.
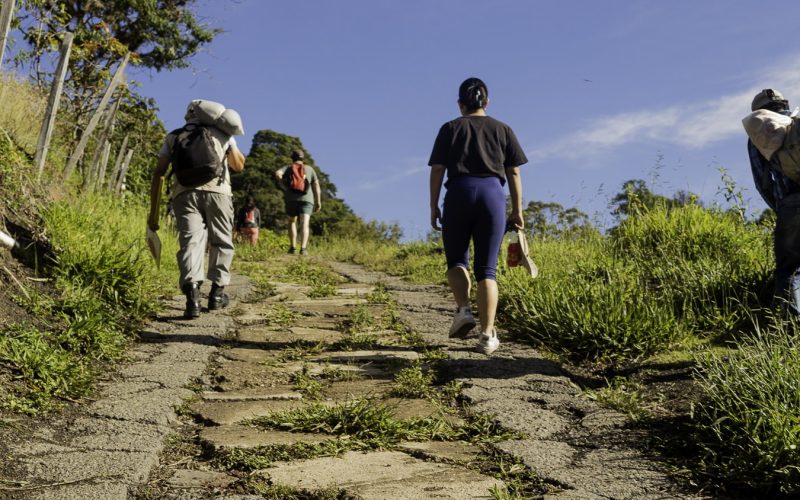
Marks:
<point>418,262</point>
<point>748,423</point>
<point>657,278</point>
<point>105,286</point>
<point>21,105</point>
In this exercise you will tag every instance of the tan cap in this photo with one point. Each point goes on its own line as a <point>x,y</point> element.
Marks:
<point>766,97</point>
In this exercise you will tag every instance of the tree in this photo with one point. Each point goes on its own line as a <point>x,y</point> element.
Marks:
<point>551,220</point>
<point>635,198</point>
<point>158,34</point>
<point>272,150</point>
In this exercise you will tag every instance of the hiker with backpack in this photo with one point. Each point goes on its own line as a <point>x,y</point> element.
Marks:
<point>201,154</point>
<point>301,197</point>
<point>248,220</point>
<point>773,180</point>
<point>479,154</point>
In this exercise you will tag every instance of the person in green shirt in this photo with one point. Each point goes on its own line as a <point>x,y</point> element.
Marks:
<point>300,204</point>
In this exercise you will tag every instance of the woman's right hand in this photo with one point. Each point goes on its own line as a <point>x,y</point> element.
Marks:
<point>436,218</point>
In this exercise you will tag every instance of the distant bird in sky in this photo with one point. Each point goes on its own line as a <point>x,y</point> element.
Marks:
<point>587,80</point>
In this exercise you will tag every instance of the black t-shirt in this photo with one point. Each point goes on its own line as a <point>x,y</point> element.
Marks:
<point>477,145</point>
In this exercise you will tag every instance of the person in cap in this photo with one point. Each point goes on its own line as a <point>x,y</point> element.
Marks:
<point>479,154</point>
<point>782,195</point>
<point>203,213</point>
<point>299,203</point>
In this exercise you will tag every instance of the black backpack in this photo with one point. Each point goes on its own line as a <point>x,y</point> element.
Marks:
<point>194,157</point>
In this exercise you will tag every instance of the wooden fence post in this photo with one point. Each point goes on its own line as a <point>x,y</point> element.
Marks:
<point>90,178</point>
<point>52,105</point>
<point>112,179</point>
<point>123,171</point>
<point>93,121</point>
<point>101,172</point>
<point>6,13</point>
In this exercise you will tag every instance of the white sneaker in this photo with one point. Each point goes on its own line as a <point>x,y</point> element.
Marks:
<point>488,342</point>
<point>463,323</point>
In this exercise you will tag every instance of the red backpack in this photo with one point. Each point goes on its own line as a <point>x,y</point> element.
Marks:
<point>295,178</point>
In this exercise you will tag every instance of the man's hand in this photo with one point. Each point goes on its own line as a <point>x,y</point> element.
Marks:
<point>152,224</point>
<point>317,206</point>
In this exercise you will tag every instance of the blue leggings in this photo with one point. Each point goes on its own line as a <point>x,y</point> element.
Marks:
<point>474,209</point>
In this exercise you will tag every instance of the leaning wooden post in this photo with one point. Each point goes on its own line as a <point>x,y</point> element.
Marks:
<point>52,105</point>
<point>112,179</point>
<point>101,175</point>
<point>93,121</point>
<point>123,171</point>
<point>6,14</point>
<point>91,177</point>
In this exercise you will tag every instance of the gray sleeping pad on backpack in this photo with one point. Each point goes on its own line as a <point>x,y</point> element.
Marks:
<point>789,155</point>
<point>214,114</point>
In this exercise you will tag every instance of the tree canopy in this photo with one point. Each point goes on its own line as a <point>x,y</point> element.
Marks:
<point>272,150</point>
<point>157,34</point>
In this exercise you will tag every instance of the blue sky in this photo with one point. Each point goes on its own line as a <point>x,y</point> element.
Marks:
<point>598,92</point>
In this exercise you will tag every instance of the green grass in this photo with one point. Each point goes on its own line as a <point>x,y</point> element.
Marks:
<point>622,395</point>
<point>748,424</point>
<point>369,424</point>
<point>105,287</point>
<point>413,382</point>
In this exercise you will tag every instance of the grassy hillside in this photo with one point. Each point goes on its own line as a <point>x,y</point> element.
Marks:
<point>81,283</point>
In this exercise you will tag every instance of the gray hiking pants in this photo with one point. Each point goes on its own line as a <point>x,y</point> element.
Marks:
<point>204,219</point>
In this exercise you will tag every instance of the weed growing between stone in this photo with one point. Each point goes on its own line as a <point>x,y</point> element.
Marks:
<point>622,395</point>
<point>301,349</point>
<point>369,424</point>
<point>279,315</point>
<point>413,382</point>
<point>521,482</point>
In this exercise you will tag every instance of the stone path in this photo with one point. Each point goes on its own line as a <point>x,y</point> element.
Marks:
<point>256,366</point>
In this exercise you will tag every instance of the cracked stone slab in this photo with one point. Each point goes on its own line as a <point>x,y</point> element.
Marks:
<point>104,489</point>
<point>153,407</point>
<point>90,466</point>
<point>355,289</point>
<point>356,389</point>
<point>387,475</point>
<point>375,356</point>
<point>442,450</point>
<point>247,354</point>
<point>260,394</point>
<point>116,435</point>
<point>324,303</point>
<point>226,437</point>
<point>225,413</point>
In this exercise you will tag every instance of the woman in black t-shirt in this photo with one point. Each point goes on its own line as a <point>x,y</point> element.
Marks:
<point>478,153</point>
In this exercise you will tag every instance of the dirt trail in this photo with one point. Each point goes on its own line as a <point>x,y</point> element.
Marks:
<point>249,361</point>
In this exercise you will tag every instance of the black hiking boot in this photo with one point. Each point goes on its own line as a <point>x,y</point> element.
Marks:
<point>192,292</point>
<point>217,298</point>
